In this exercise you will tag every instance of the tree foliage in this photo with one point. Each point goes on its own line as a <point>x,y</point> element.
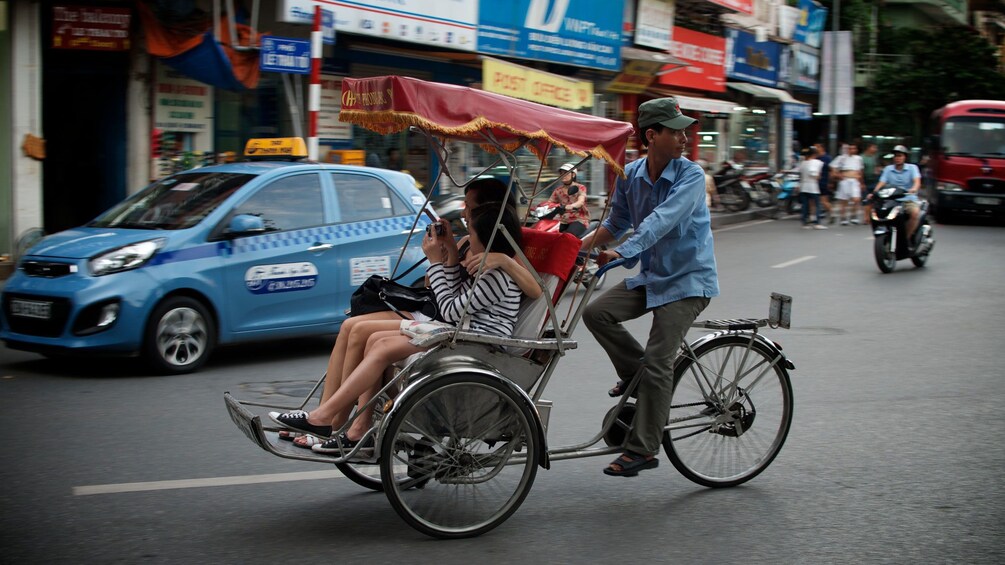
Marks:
<point>941,66</point>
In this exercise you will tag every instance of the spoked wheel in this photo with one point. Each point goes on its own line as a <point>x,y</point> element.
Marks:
<point>473,442</point>
<point>886,259</point>
<point>730,412</point>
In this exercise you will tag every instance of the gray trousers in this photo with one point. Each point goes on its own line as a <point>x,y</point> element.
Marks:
<point>604,317</point>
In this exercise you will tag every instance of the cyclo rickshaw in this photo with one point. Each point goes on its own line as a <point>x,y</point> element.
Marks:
<point>461,429</point>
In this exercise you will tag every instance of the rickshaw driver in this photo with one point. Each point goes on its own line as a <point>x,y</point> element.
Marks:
<point>663,199</point>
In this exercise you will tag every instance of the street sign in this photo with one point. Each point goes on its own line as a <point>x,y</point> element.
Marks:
<point>285,55</point>
<point>302,12</point>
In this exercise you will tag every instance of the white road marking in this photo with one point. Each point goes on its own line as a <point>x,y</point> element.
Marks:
<point>741,225</point>
<point>207,482</point>
<point>793,262</point>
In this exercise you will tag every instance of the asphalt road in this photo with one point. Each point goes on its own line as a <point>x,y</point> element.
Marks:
<point>895,454</point>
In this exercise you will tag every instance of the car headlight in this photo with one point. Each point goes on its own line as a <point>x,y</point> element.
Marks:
<point>125,258</point>
<point>948,187</point>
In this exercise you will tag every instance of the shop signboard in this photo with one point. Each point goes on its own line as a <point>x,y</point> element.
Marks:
<point>585,33</point>
<point>302,12</point>
<point>537,86</point>
<point>797,111</point>
<point>90,28</point>
<point>653,23</point>
<point>329,128</point>
<point>810,24</point>
<point>441,23</point>
<point>181,104</point>
<point>750,60</point>
<point>285,55</point>
<point>805,67</point>
<point>706,58</point>
<point>742,6</point>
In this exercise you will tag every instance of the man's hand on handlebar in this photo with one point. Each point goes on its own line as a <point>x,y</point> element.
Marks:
<point>606,256</point>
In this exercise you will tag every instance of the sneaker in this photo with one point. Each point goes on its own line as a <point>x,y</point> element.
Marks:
<point>819,227</point>
<point>807,227</point>
<point>342,444</point>
<point>297,420</point>
<point>855,221</point>
<point>844,222</point>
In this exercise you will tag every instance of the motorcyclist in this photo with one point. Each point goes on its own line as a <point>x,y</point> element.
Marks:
<point>571,199</point>
<point>902,174</point>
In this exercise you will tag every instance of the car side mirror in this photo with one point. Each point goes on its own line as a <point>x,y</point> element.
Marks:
<point>245,224</point>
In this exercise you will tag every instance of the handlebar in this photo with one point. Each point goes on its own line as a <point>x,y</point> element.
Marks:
<point>627,263</point>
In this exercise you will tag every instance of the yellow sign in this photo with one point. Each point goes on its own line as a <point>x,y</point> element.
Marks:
<point>537,86</point>
<point>293,147</point>
<point>636,77</point>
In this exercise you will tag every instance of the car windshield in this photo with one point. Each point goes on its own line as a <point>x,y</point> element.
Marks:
<point>176,202</point>
<point>974,135</point>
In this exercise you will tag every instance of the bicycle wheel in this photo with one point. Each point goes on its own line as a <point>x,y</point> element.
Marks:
<point>473,442</point>
<point>730,412</point>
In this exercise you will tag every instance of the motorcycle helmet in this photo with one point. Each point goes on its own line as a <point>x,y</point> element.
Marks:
<point>900,149</point>
<point>566,167</point>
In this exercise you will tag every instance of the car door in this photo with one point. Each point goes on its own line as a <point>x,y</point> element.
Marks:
<point>373,225</point>
<point>284,280</point>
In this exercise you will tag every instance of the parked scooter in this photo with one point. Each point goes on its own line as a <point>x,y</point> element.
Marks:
<point>732,195</point>
<point>788,191</point>
<point>761,189</point>
<point>889,226</point>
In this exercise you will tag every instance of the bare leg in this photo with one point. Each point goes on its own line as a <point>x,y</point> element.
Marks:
<point>385,350</point>
<point>912,223</point>
<point>336,362</point>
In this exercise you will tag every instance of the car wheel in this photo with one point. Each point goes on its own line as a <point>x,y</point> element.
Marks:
<point>179,337</point>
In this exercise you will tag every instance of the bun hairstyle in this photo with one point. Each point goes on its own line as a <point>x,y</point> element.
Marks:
<point>483,221</point>
<point>490,189</point>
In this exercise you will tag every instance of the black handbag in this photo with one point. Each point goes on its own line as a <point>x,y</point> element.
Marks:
<point>381,294</point>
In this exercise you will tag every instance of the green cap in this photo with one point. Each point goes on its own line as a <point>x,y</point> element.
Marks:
<point>664,111</point>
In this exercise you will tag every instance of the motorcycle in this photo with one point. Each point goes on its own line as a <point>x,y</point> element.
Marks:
<point>788,192</point>
<point>761,188</point>
<point>732,195</point>
<point>545,218</point>
<point>889,226</point>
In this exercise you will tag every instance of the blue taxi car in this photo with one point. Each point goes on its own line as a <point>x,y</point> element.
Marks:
<point>216,255</point>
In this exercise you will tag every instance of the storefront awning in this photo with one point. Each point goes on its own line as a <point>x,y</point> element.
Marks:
<point>758,91</point>
<point>662,58</point>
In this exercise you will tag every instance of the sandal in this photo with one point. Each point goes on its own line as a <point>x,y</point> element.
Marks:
<point>618,389</point>
<point>630,463</point>
<point>287,435</point>
<point>341,443</point>
<point>307,441</point>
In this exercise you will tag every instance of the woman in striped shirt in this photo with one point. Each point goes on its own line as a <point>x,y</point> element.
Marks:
<point>490,302</point>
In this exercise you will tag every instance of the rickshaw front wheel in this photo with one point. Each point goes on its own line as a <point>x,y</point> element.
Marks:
<point>471,440</point>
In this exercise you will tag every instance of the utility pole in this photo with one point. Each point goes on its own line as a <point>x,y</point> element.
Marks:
<point>835,24</point>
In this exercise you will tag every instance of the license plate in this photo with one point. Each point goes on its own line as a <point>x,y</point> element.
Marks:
<point>987,201</point>
<point>31,309</point>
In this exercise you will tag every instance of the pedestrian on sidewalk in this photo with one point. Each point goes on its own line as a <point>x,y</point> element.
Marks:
<point>809,188</point>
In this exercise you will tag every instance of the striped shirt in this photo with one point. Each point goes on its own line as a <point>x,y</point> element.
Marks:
<point>494,303</point>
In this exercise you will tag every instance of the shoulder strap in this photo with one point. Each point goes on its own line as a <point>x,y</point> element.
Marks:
<point>409,270</point>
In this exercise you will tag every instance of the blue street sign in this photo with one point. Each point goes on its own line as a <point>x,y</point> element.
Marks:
<point>327,27</point>
<point>285,55</point>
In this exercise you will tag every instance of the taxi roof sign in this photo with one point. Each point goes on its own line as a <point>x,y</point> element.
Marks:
<point>276,148</point>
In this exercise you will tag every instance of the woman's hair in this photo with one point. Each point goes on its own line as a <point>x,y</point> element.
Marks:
<point>483,221</point>
<point>490,190</point>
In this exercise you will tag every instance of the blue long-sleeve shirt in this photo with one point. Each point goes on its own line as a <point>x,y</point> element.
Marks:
<point>673,231</point>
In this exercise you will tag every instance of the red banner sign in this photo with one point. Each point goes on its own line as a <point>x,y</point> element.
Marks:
<point>90,28</point>
<point>706,57</point>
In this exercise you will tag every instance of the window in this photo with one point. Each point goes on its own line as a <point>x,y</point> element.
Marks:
<point>363,197</point>
<point>289,203</point>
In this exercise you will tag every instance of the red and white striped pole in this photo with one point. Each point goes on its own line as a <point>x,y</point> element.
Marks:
<point>314,90</point>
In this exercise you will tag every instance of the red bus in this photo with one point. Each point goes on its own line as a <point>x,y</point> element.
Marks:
<point>966,167</point>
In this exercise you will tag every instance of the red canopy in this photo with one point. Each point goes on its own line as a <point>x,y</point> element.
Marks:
<point>390,104</point>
